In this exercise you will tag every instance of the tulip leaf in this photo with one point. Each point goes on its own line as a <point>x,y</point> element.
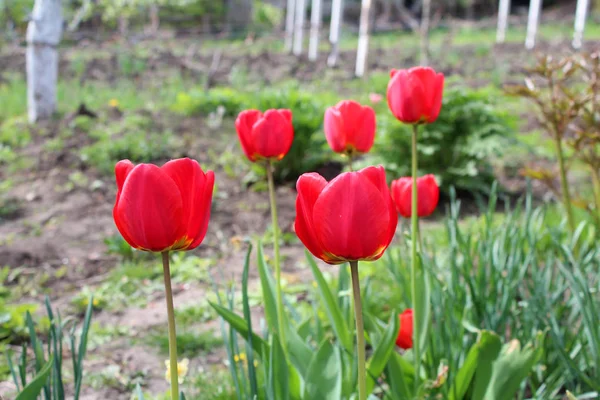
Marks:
<point>400,376</point>
<point>383,351</point>
<point>487,344</point>
<point>331,307</point>
<point>512,367</point>
<point>240,325</point>
<point>490,346</point>
<point>268,291</point>
<point>33,389</point>
<point>299,352</point>
<point>324,380</point>
<point>277,388</point>
<point>248,319</point>
<point>422,306</point>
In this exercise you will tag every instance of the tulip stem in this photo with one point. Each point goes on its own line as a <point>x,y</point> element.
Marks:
<point>414,217</point>
<point>172,332</point>
<point>360,332</point>
<point>350,162</point>
<point>564,183</point>
<point>279,294</point>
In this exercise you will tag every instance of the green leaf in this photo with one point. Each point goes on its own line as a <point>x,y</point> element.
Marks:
<point>512,367</point>
<point>491,346</point>
<point>268,291</point>
<point>400,376</point>
<point>299,352</point>
<point>324,381</point>
<point>422,304</point>
<point>278,372</point>
<point>239,324</point>
<point>138,392</point>
<point>248,318</point>
<point>480,356</point>
<point>83,338</point>
<point>381,354</point>
<point>33,389</point>
<point>331,307</point>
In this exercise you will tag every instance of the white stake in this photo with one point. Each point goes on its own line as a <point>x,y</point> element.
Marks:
<point>503,11</point>
<point>43,36</point>
<point>535,7</point>
<point>289,25</point>
<point>315,24</point>
<point>299,29</point>
<point>363,39</point>
<point>580,16</point>
<point>337,7</point>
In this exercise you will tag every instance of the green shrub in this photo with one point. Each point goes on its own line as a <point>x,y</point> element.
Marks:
<point>457,148</point>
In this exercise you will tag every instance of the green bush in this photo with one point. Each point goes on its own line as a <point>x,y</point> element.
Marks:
<point>457,148</point>
<point>307,152</point>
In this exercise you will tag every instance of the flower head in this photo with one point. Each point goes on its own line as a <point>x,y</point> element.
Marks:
<point>350,218</point>
<point>405,332</point>
<point>163,208</point>
<point>428,195</point>
<point>265,136</point>
<point>182,370</point>
<point>415,95</point>
<point>350,127</point>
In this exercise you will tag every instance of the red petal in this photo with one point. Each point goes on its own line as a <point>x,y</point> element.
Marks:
<point>438,91</point>
<point>196,195</point>
<point>150,209</point>
<point>243,125</point>
<point>399,189</point>
<point>286,113</point>
<point>429,194</point>
<point>309,188</point>
<point>122,170</point>
<point>364,135</point>
<point>406,96</point>
<point>272,135</point>
<point>405,331</point>
<point>334,130</point>
<point>351,218</point>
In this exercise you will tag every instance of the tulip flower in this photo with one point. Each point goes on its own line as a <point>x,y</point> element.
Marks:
<point>428,193</point>
<point>351,218</point>
<point>350,127</point>
<point>405,333</point>
<point>161,209</point>
<point>265,136</point>
<point>415,95</point>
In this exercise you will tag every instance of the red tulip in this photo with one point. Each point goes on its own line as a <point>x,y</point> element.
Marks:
<point>415,95</point>
<point>265,136</point>
<point>351,218</point>
<point>350,127</point>
<point>428,194</point>
<point>163,208</point>
<point>405,333</point>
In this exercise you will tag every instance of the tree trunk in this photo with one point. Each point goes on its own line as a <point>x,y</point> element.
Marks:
<point>425,19</point>
<point>43,36</point>
<point>337,13</point>
<point>315,24</point>
<point>289,24</point>
<point>363,39</point>
<point>535,7</point>
<point>503,12</point>
<point>299,27</point>
<point>580,16</point>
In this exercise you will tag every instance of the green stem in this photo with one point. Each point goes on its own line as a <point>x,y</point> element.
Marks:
<point>564,184</point>
<point>596,183</point>
<point>350,162</point>
<point>360,333</point>
<point>414,218</point>
<point>172,332</point>
<point>275,228</point>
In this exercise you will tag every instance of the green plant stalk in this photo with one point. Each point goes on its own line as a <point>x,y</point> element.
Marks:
<point>360,332</point>
<point>414,218</point>
<point>596,183</point>
<point>172,332</point>
<point>564,184</point>
<point>277,259</point>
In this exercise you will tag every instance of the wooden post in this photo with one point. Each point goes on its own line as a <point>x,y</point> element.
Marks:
<point>503,11</point>
<point>535,6</point>
<point>289,24</point>
<point>337,12</point>
<point>315,24</point>
<point>363,39</point>
<point>299,29</point>
<point>580,16</point>
<point>43,36</point>
<point>425,19</point>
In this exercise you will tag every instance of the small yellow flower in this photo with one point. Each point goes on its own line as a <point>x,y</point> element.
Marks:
<point>114,103</point>
<point>95,302</point>
<point>315,284</point>
<point>256,363</point>
<point>239,357</point>
<point>182,370</point>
